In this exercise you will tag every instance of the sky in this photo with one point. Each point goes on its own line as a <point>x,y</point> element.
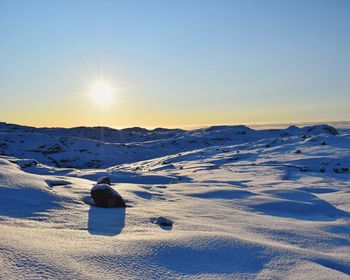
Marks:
<point>174,63</point>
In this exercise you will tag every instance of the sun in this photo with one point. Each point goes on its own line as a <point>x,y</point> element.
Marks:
<point>102,92</point>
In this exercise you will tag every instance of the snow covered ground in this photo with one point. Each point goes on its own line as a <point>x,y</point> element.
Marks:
<point>246,204</point>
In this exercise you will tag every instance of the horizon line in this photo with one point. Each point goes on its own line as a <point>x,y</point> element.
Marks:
<point>261,125</point>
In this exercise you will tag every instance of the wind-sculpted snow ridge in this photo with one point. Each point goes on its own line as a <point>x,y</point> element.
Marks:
<point>245,204</point>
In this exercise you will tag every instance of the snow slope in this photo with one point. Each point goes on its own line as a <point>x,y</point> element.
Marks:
<point>246,204</point>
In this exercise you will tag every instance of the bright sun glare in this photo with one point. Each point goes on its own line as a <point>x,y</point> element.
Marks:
<point>102,92</point>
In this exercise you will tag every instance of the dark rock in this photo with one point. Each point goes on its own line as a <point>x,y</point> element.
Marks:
<point>104,196</point>
<point>341,170</point>
<point>322,169</point>
<point>162,221</point>
<point>104,180</point>
<point>323,143</point>
<point>298,152</point>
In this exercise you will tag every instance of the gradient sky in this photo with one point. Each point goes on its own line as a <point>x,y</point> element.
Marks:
<point>175,63</point>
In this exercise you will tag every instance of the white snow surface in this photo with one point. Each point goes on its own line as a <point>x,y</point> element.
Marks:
<point>244,203</point>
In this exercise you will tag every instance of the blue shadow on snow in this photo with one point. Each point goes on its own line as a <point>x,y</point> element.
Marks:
<point>105,221</point>
<point>26,202</point>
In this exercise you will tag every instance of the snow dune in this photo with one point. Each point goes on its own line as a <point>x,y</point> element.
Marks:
<point>246,204</point>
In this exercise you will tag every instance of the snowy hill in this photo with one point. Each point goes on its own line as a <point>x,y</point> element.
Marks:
<point>103,147</point>
<point>246,204</point>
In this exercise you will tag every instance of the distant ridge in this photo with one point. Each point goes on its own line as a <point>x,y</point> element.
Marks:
<point>97,147</point>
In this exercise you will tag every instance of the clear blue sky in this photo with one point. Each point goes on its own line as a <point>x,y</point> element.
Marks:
<point>175,63</point>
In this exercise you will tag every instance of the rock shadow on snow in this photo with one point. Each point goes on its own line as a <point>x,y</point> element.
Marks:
<point>105,221</point>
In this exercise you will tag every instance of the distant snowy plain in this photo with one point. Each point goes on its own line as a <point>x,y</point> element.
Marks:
<point>246,204</point>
